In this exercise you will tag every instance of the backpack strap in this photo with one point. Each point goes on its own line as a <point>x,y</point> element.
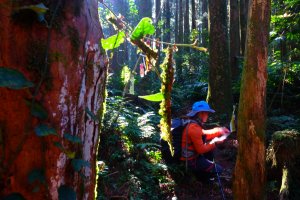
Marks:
<point>188,122</point>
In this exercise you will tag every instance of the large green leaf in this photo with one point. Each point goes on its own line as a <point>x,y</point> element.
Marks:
<point>13,79</point>
<point>77,164</point>
<point>153,97</point>
<point>44,130</point>
<point>37,110</point>
<point>72,138</point>
<point>113,41</point>
<point>144,27</point>
<point>66,193</point>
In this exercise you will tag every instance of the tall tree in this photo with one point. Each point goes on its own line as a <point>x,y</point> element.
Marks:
<point>193,6</point>
<point>250,178</point>
<point>145,8</point>
<point>244,6</point>
<point>204,30</point>
<point>179,59</point>
<point>219,87</point>
<point>180,22</point>
<point>186,22</point>
<point>234,38</point>
<point>176,20</point>
<point>157,17</point>
<point>48,137</point>
<point>168,21</point>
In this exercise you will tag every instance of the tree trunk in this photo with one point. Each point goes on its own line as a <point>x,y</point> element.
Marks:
<point>180,22</point>
<point>204,30</point>
<point>176,21</point>
<point>157,17</point>
<point>187,22</point>
<point>234,38</point>
<point>219,86</point>
<point>193,14</point>
<point>244,6</point>
<point>179,59</point>
<point>250,178</point>
<point>145,8</point>
<point>68,70</point>
<point>168,21</point>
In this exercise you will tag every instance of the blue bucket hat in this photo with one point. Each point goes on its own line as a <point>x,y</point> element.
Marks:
<point>200,106</point>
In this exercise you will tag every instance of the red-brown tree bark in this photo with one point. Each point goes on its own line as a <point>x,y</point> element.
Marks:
<point>74,80</point>
<point>250,177</point>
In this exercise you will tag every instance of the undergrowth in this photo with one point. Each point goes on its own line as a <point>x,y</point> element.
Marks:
<point>129,158</point>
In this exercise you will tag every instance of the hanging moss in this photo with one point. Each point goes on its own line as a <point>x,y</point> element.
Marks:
<point>167,77</point>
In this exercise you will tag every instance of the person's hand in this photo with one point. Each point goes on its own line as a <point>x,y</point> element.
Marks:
<point>223,131</point>
<point>218,140</point>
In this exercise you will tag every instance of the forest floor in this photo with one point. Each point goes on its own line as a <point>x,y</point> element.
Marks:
<point>213,189</point>
<point>134,168</point>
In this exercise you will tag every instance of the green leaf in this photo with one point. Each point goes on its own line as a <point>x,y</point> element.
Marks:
<point>58,145</point>
<point>70,154</point>
<point>13,79</point>
<point>36,175</point>
<point>44,130</point>
<point>66,193</point>
<point>113,41</point>
<point>72,138</point>
<point>14,196</point>
<point>144,27</point>
<point>37,110</point>
<point>92,115</point>
<point>153,97</point>
<point>77,164</point>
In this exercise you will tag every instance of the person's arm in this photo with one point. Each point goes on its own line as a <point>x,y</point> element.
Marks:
<point>195,133</point>
<point>215,132</point>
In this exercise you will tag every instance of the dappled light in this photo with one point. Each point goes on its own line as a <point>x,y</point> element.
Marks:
<point>149,99</point>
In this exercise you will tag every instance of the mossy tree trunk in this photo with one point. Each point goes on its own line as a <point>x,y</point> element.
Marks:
<point>69,75</point>
<point>250,178</point>
<point>219,86</point>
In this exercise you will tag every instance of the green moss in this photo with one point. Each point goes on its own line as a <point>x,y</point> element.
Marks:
<point>167,76</point>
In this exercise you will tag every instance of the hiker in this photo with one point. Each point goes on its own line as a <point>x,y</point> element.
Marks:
<point>198,144</point>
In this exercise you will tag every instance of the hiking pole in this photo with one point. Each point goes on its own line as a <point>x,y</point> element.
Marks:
<point>219,181</point>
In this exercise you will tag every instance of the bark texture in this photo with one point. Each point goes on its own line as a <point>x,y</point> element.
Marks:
<point>250,178</point>
<point>74,80</point>
<point>219,89</point>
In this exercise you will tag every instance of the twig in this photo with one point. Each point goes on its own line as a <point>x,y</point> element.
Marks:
<point>111,173</point>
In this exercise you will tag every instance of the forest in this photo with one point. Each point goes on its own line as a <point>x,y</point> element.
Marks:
<point>91,90</point>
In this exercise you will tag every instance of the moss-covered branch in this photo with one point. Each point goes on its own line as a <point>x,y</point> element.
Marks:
<point>167,77</point>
